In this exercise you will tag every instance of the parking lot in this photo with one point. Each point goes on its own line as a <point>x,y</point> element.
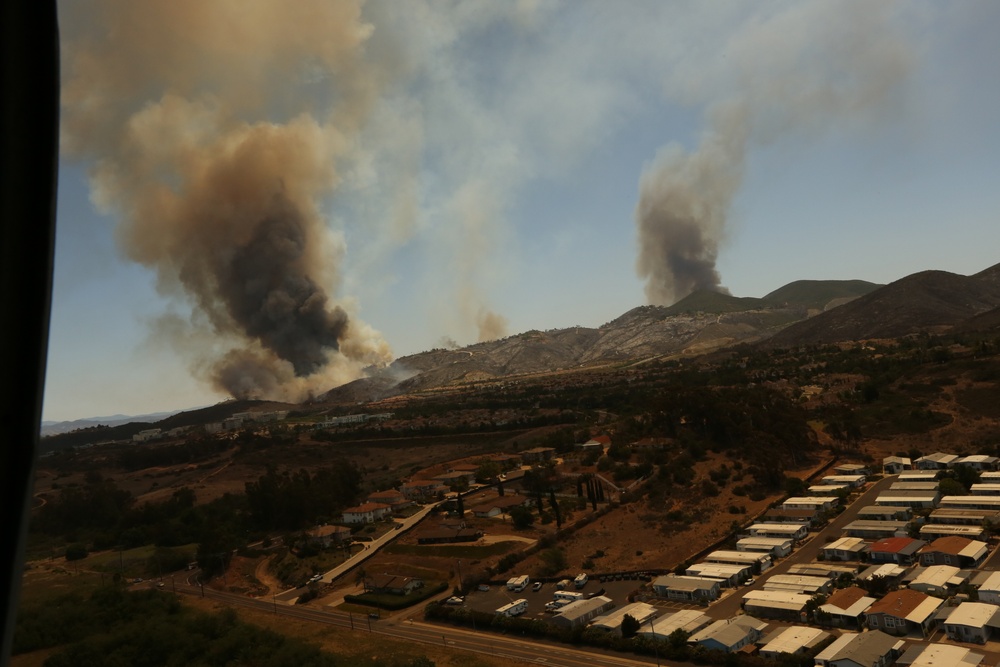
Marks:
<point>489,601</point>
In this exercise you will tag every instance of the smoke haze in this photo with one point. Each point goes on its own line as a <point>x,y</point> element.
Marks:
<point>801,70</point>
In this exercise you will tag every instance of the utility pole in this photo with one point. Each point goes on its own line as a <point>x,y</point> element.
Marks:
<point>656,649</point>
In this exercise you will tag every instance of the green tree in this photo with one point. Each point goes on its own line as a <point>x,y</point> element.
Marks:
<point>521,517</point>
<point>630,626</point>
<point>76,551</point>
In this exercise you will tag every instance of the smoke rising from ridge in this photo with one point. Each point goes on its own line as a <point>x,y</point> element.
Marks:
<point>176,102</point>
<point>800,71</point>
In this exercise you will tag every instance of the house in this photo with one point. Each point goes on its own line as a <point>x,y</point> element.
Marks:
<point>797,583</point>
<point>366,513</point>
<point>755,559</point>
<point>327,535</point>
<point>845,608</point>
<point>801,516</point>
<point>506,461</point>
<point>392,584</point>
<point>978,462</point>
<point>935,461</point>
<point>953,517</point>
<point>971,502</point>
<point>794,531</point>
<point>788,605</point>
<point>893,465</point>
<point>455,478</point>
<point>974,622</point>
<point>729,635</point>
<point>867,649</point>
<point>422,489</point>
<point>675,587</point>
<point>899,550</point>
<point>854,481</point>
<point>954,550</point>
<point>828,570</point>
<point>851,469</point>
<point>933,531</point>
<point>687,620</point>
<point>581,612</point>
<point>727,574</point>
<point>985,489</point>
<point>937,580</point>
<point>810,503</point>
<point>393,498</point>
<point>773,546</point>
<point>498,505</point>
<point>909,498</point>
<point>147,435</point>
<point>600,444</point>
<point>893,574</point>
<point>874,530</point>
<point>989,587</point>
<point>919,475</point>
<point>538,454</point>
<point>794,640</point>
<point>936,655</point>
<point>914,486</point>
<point>846,548</point>
<point>612,622</point>
<point>828,489</point>
<point>904,611</point>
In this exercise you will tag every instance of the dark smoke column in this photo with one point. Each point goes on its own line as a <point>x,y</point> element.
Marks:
<point>269,294</point>
<point>681,215</point>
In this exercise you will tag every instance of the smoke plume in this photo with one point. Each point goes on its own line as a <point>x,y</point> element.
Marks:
<point>214,146</point>
<point>798,72</point>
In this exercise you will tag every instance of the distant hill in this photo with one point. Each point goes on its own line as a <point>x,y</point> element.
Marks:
<point>930,301</point>
<point>708,301</point>
<point>819,294</point>
<point>56,427</point>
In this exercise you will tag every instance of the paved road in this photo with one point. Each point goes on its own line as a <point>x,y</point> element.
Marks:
<point>291,595</point>
<point>807,553</point>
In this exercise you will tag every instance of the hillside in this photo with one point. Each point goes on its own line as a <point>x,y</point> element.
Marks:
<point>929,301</point>
<point>701,322</point>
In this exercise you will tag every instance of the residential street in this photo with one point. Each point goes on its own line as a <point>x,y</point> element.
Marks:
<point>806,553</point>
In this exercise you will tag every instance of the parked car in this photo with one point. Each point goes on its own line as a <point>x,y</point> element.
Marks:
<point>454,599</point>
<point>537,586</point>
<point>483,587</point>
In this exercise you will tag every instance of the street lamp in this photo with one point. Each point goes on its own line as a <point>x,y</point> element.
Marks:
<point>460,587</point>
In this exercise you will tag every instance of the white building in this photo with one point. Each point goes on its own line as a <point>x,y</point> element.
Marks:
<point>867,649</point>
<point>776,604</point>
<point>775,546</point>
<point>729,635</point>
<point>366,513</point>
<point>687,620</point>
<point>794,640</point>
<point>972,622</point>
<point>754,559</point>
<point>846,548</point>
<point>792,531</point>
<point>936,655</point>
<point>612,622</point>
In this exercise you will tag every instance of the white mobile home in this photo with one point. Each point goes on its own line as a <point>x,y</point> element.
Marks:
<point>792,531</point>
<point>515,608</point>
<point>754,559</point>
<point>674,587</point>
<point>775,546</point>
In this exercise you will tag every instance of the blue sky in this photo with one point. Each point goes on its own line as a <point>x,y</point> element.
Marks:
<point>484,158</point>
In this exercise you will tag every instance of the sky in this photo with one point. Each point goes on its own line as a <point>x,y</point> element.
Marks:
<point>261,200</point>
